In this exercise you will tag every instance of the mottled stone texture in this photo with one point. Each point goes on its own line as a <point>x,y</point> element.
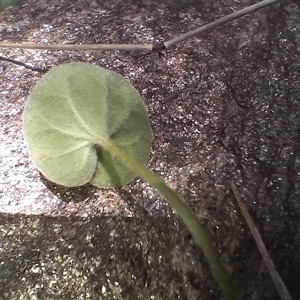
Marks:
<point>224,107</point>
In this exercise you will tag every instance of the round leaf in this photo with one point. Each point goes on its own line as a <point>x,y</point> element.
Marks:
<point>71,112</point>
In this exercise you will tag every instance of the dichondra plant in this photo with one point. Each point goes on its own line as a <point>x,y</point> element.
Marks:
<point>71,112</point>
<point>83,123</point>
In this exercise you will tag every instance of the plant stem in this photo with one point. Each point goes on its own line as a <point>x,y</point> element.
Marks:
<point>198,232</point>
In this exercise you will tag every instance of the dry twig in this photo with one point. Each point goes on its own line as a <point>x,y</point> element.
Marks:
<point>279,284</point>
<point>143,47</point>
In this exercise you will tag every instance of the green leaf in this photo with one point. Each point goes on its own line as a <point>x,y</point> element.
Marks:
<point>72,111</point>
<point>6,3</point>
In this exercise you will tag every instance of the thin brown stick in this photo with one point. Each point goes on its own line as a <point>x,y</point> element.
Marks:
<point>279,284</point>
<point>218,22</point>
<point>143,47</point>
<point>77,47</point>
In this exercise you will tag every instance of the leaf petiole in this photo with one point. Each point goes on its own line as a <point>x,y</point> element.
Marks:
<point>198,232</point>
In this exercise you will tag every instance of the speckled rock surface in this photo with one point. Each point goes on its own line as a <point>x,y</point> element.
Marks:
<point>98,258</point>
<point>224,107</point>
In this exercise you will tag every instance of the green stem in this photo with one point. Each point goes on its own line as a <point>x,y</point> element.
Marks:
<point>198,232</point>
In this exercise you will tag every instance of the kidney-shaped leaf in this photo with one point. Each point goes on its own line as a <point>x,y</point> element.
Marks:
<point>71,111</point>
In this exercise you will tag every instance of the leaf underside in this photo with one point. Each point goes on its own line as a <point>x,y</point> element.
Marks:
<point>71,112</point>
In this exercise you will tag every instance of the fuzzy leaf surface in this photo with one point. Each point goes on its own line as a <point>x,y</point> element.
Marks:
<point>71,112</point>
